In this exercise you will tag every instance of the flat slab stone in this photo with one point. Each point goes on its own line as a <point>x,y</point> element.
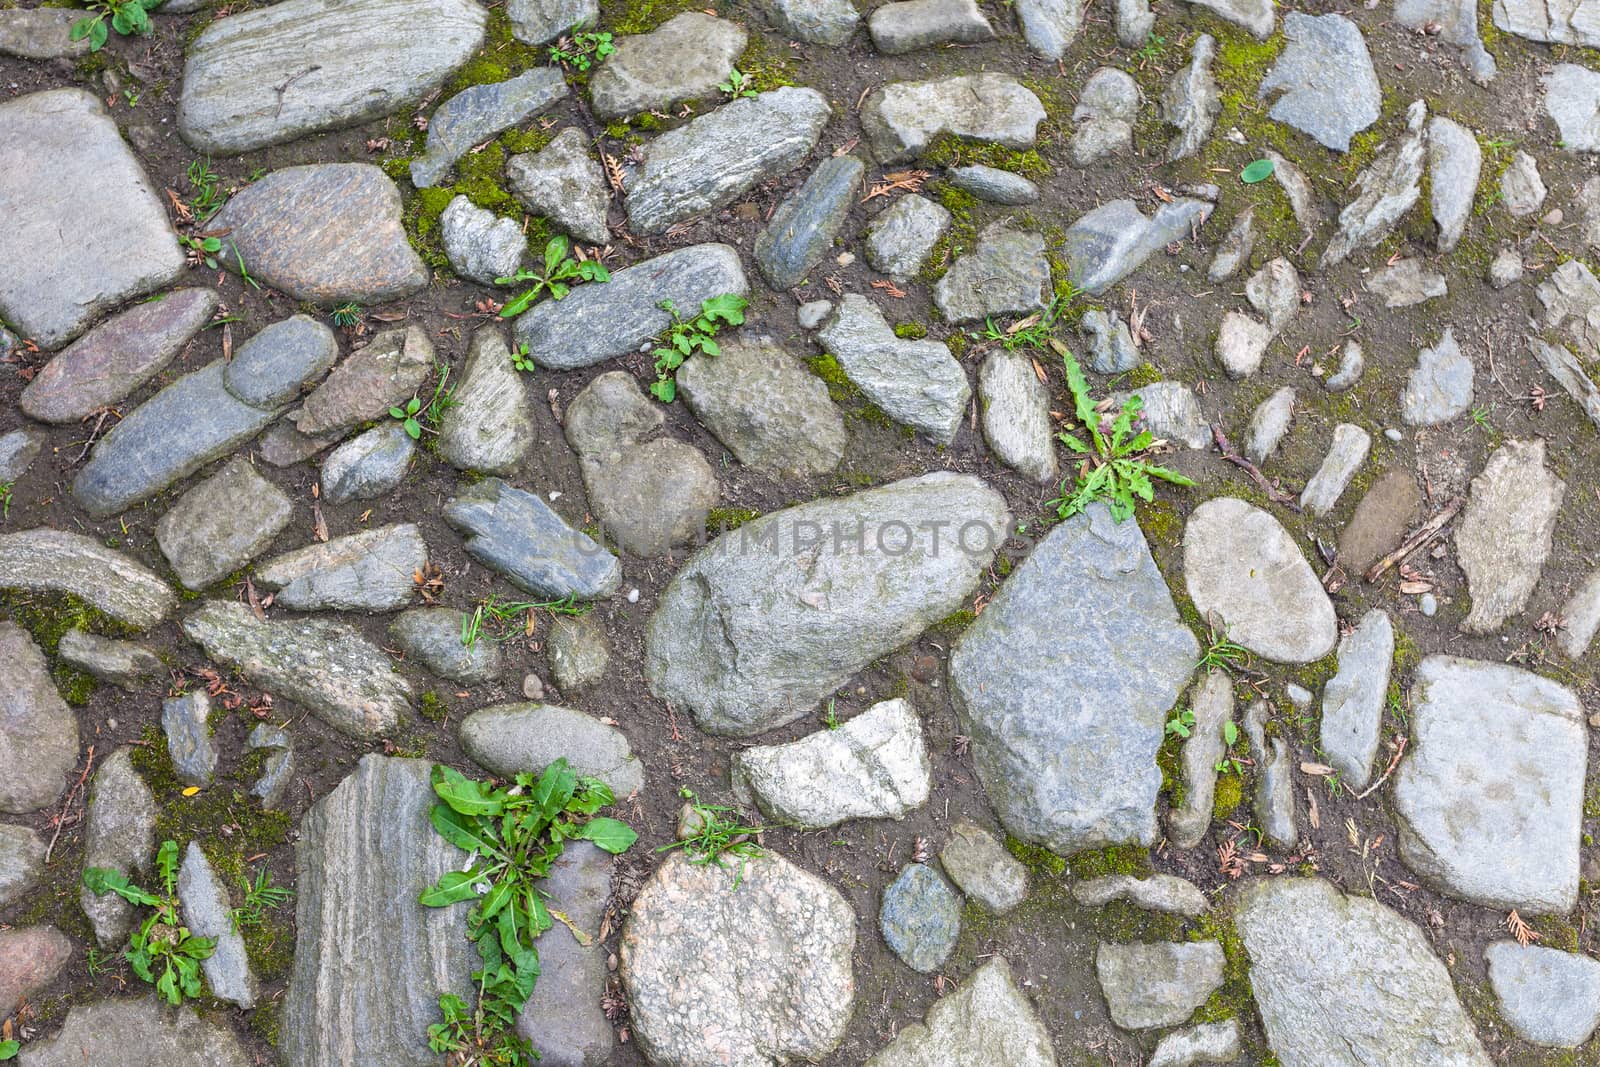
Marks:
<point>478,113</point>
<point>1062,768</point>
<point>920,918</point>
<point>1572,100</point>
<point>490,426</point>
<point>384,373</point>
<point>1323,83</point>
<point>1257,16</point>
<point>328,667</point>
<point>1346,454</point>
<point>221,524</point>
<point>184,721</point>
<point>54,561</point>
<point>750,641</point>
<point>685,58</point>
<point>1159,984</point>
<point>1113,240</point>
<point>272,74</point>
<point>38,732</point>
<point>120,832</point>
<point>564,182</point>
<point>1343,981</point>
<point>367,571</point>
<point>1388,511</point>
<point>1353,699</point>
<point>542,21</point>
<point>900,237</point>
<point>981,867</point>
<point>1506,532</point>
<point>578,652</point>
<point>368,466</point>
<point>1548,996</point>
<point>366,850</point>
<point>563,1018</point>
<point>433,636</point>
<point>1171,410</point>
<point>206,911</point>
<point>906,25</point>
<point>279,361</point>
<point>825,22</point>
<point>40,33</point>
<point>804,226</point>
<point>1239,562</point>
<point>1016,414</point>
<point>94,233</point>
<point>986,1021</point>
<point>902,119</point>
<point>1407,283</point>
<point>21,862</point>
<point>1159,892</point>
<point>516,534</point>
<point>510,739</point>
<point>761,976</point>
<point>1455,162</point>
<point>1007,274</point>
<point>597,321</point>
<point>1498,755</point>
<point>1553,22</point>
<point>716,158</point>
<point>113,360</point>
<point>123,1030</point>
<point>918,383</point>
<point>875,766</point>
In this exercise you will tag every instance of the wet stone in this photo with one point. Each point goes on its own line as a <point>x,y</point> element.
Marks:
<point>1440,389</point>
<point>685,58</point>
<point>368,466</point>
<point>123,663</point>
<point>986,1021</point>
<point>433,637</point>
<point>367,571</point>
<point>902,119</point>
<point>479,112</point>
<point>918,383</point>
<point>221,524</point>
<point>516,534</point>
<point>184,719</point>
<point>1505,533</point>
<point>1323,80</point>
<point>480,245</point>
<point>490,426</point>
<point>981,867</point>
<point>1354,698</point>
<point>578,652</point>
<point>207,911</point>
<point>386,372</point>
<point>1160,984</point>
<point>907,25</point>
<point>563,182</point>
<point>994,185</point>
<point>804,226</point>
<point>901,236</point>
<point>54,561</point>
<point>119,836</point>
<point>1160,892</point>
<point>920,918</point>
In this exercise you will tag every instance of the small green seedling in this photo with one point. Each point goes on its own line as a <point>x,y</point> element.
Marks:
<point>260,897</point>
<point>9,1050</point>
<point>127,17</point>
<point>5,499</point>
<point>498,619</point>
<point>687,336</point>
<point>1259,171</point>
<point>203,250</point>
<point>719,833</point>
<point>347,315</point>
<point>206,189</point>
<point>1182,723</point>
<point>417,416</point>
<point>560,273</point>
<point>1230,762</point>
<point>831,719</point>
<point>580,51</point>
<point>408,417</point>
<point>737,85</point>
<point>162,943</point>
<point>1153,48</point>
<point>520,360</point>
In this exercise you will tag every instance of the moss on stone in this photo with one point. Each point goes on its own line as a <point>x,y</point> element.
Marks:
<point>841,390</point>
<point>913,331</point>
<point>1113,859</point>
<point>75,686</point>
<point>951,151</point>
<point>433,708</point>
<point>1233,999</point>
<point>764,67</point>
<point>522,142</point>
<point>48,616</point>
<point>723,519</point>
<point>1227,797</point>
<point>1036,858</point>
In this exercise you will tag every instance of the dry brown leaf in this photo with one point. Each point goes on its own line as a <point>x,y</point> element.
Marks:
<point>1318,769</point>
<point>889,287</point>
<point>1520,929</point>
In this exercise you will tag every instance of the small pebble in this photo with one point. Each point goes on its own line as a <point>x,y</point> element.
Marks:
<point>846,258</point>
<point>925,669</point>
<point>1554,217</point>
<point>1429,604</point>
<point>533,687</point>
<point>1394,435</point>
<point>811,314</point>
<point>633,595</point>
<point>1298,695</point>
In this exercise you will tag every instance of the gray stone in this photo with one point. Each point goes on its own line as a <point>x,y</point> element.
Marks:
<point>221,524</point>
<point>1346,982</point>
<point>1242,344</point>
<point>1406,283</point>
<point>327,667</point>
<point>479,112</point>
<point>648,492</point>
<point>1323,81</point>
<point>433,636</point>
<point>40,33</point>
<point>900,237</point>
<point>1171,410</point>
<point>809,316</point>
<point>1200,759</point>
<point>113,360</point>
<point>875,766</point>
<point>1050,26</point>
<point>1112,349</point>
<point>1568,372</point>
<point>54,561</point>
<point>1549,997</point>
<point>986,1021</point>
<point>596,322</point>
<point>1206,1043</point>
<point>277,363</point>
<point>509,739</point>
<point>907,25</point>
<point>1521,189</point>
<point>120,836</point>
<point>825,22</point>
<point>918,383</point>
<point>1440,388</point>
<point>1540,20</point>
<point>490,426</point>
<point>1016,414</point>
<point>480,245</point>
<point>1353,699</point>
<point>367,571</point>
<point>1007,274</point>
<point>1349,450</point>
<point>685,58</point>
<point>1498,755</point>
<point>1303,200</point>
<point>1581,612</point>
<point>385,373</point>
<point>902,119</point>
<point>714,159</point>
<point>1240,563</point>
<point>563,182</point>
<point>920,918</point>
<point>207,912</point>
<point>1103,120</point>
<point>1572,100</point>
<point>1268,425</point>
<point>578,652</point>
<point>1506,531</point>
<point>1454,163</point>
<point>184,719</point>
<point>61,155</point>
<point>1352,363</point>
<point>1298,695</point>
<point>563,1018</point>
<point>761,976</point>
<point>1274,794</point>
<point>1159,892</point>
<point>981,867</point>
<point>1192,101</point>
<point>38,732</point>
<point>30,959</point>
<point>273,74</point>
<point>365,851</point>
<point>1112,241</point>
<point>21,862</point>
<point>1587,201</point>
<point>750,641</point>
<point>1389,186</point>
<point>1233,251</point>
<point>18,450</point>
<point>1456,23</point>
<point>1135,23</point>
<point>1158,984</point>
<point>283,445</point>
<point>804,226</point>
<point>277,768</point>
<point>765,406</point>
<point>122,1030</point>
<point>539,22</point>
<point>1274,291</point>
<point>369,466</point>
<point>1571,299</point>
<point>514,533</point>
<point>1257,16</point>
<point>1061,770</point>
<point>123,663</point>
<point>994,185</point>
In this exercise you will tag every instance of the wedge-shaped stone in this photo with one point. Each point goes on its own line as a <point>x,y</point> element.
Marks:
<point>516,534</point>
<point>490,425</point>
<point>1112,241</point>
<point>918,383</point>
<point>1506,532</point>
<point>38,732</point>
<point>479,112</point>
<point>121,1030</point>
<point>987,1021</point>
<point>903,119</point>
<point>54,561</point>
<point>372,570</point>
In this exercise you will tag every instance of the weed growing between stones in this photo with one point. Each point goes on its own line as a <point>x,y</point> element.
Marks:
<point>162,943</point>
<point>715,831</point>
<point>688,336</point>
<point>561,272</point>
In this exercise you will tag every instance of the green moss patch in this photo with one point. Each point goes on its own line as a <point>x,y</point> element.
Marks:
<point>1113,859</point>
<point>1036,858</point>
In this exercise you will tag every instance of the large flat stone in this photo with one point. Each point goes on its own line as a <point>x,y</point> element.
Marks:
<point>987,1021</point>
<point>54,561</point>
<point>685,58</point>
<point>371,570</point>
<point>515,533</point>
<point>478,113</point>
<point>1064,682</point>
<point>903,119</point>
<point>1506,532</point>
<point>40,33</point>
<point>84,229</point>
<point>38,732</point>
<point>123,1030</point>
<point>510,739</point>
<point>1323,80</point>
<point>918,383</point>
<point>221,524</point>
<point>1548,996</point>
<point>275,73</point>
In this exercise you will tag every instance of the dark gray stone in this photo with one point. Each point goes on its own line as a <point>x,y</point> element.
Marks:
<point>385,373</point>
<point>994,185</point>
<point>804,226</point>
<point>563,182</point>
<point>185,721</point>
<point>434,637</point>
<point>563,1018</point>
<point>490,426</point>
<point>221,524</point>
<point>516,534</point>
<point>274,366</point>
<point>685,58</point>
<point>1113,240</point>
<point>207,911</point>
<point>119,835</point>
<point>53,561</point>
<point>372,570</point>
<point>920,918</point>
<point>479,112</point>
<point>918,383</point>
<point>369,466</point>
<point>510,739</point>
<point>1323,83</point>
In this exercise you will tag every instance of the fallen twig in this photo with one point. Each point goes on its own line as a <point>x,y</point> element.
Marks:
<point>1428,532</point>
<point>1229,453</point>
<point>61,817</point>
<point>1394,761</point>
